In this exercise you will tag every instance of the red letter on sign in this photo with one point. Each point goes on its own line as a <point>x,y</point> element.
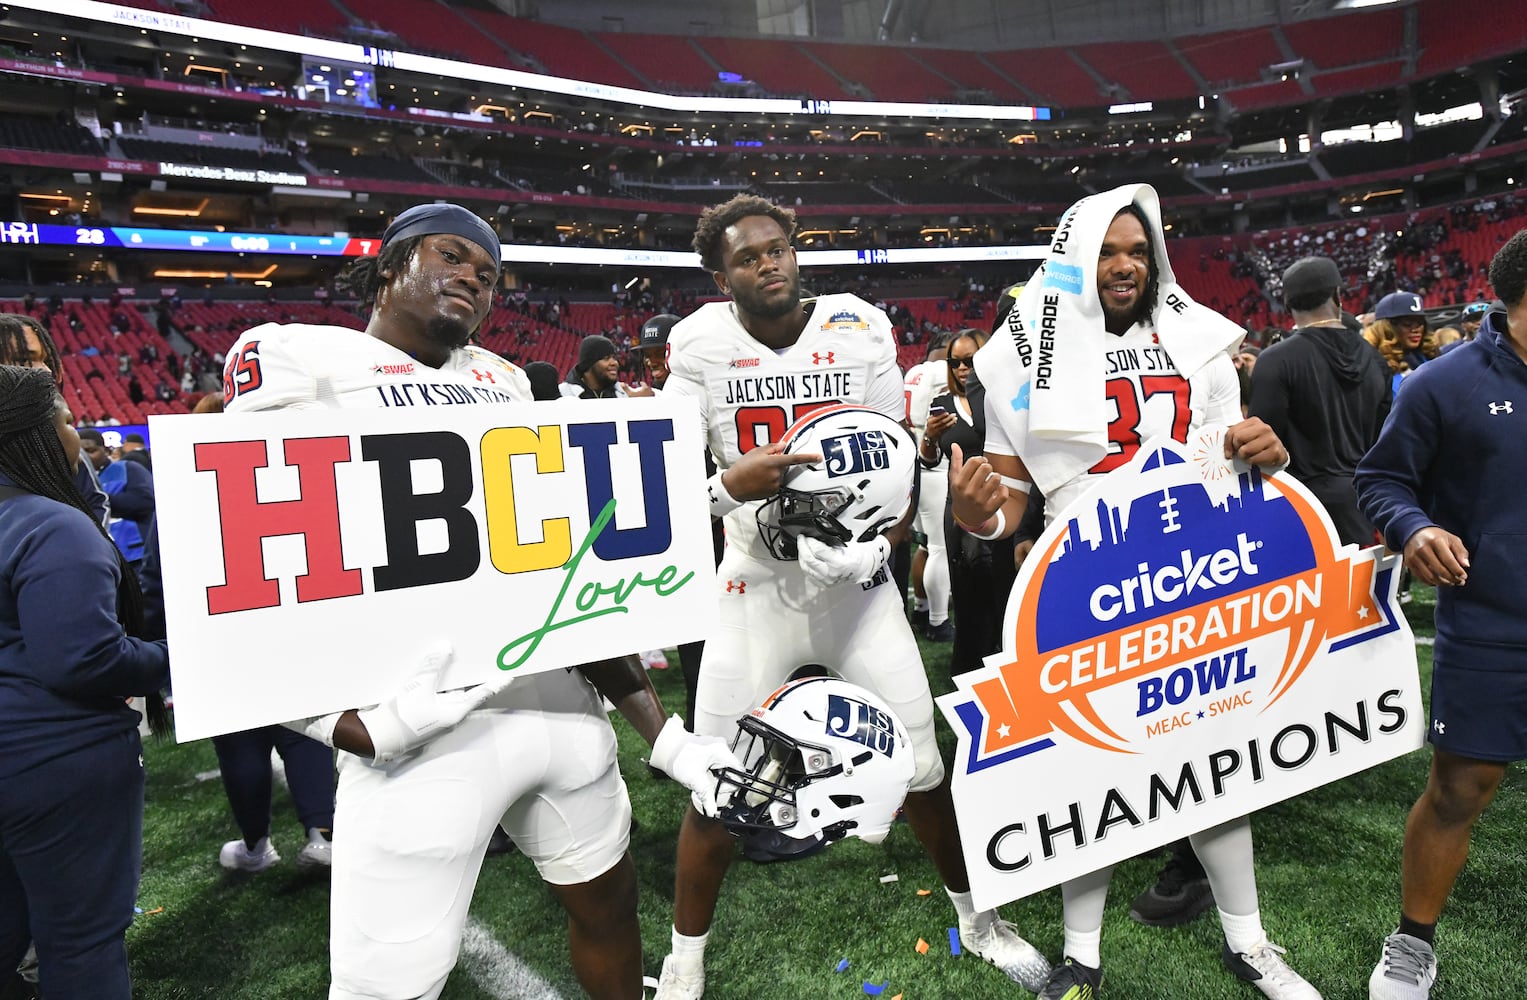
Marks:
<point>314,516</point>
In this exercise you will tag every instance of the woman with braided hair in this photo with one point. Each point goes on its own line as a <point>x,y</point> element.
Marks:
<point>71,764</point>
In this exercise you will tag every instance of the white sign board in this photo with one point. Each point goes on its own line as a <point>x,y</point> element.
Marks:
<point>1186,644</point>
<point>309,558</point>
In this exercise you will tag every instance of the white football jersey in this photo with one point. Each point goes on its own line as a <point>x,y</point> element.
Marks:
<point>924,383</point>
<point>749,395</point>
<point>1147,398</point>
<point>296,366</point>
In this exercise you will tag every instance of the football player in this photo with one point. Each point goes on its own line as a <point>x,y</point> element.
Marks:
<point>1162,399</point>
<point>426,777</point>
<point>755,365</point>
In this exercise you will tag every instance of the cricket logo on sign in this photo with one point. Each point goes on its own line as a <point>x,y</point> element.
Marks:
<point>1176,631</point>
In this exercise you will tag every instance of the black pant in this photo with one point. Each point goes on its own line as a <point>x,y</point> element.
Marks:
<point>71,847</point>
<point>981,576</point>
<point>244,759</point>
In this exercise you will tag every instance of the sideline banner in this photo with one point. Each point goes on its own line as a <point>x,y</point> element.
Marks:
<point>1187,643</point>
<point>309,558</point>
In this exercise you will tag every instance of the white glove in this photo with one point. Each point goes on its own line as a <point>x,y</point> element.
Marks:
<point>691,760</point>
<point>418,713</point>
<point>830,565</point>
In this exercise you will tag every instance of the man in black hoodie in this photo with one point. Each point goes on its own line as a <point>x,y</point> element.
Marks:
<point>1325,391</point>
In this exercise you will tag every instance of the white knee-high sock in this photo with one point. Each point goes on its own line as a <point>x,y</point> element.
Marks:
<point>1082,901</point>
<point>1229,860</point>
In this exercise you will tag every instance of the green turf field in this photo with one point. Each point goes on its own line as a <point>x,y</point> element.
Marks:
<point>1328,866</point>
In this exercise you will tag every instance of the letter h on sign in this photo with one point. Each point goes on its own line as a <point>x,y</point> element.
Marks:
<point>246,522</point>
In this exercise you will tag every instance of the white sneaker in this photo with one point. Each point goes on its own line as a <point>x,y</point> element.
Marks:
<point>1406,970</point>
<point>988,936</point>
<point>318,852</point>
<point>1264,968</point>
<point>676,985</point>
<point>240,857</point>
<point>655,659</point>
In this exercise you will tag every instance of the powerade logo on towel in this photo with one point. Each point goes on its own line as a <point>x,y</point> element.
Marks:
<point>853,720</point>
<point>1065,277</point>
<point>852,454</point>
<point>1176,593</point>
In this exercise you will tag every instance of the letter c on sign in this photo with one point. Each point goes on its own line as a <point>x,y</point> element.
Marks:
<point>1101,613</point>
<point>995,860</point>
<point>508,553</point>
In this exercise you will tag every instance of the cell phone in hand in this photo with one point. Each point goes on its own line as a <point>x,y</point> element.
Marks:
<point>936,410</point>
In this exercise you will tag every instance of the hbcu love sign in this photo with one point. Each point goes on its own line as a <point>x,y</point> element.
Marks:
<point>309,558</point>
<point>1186,644</point>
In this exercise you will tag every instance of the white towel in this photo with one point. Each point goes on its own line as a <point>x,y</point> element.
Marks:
<point>1055,339</point>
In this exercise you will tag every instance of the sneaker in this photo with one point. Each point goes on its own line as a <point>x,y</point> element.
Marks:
<point>1264,968</point>
<point>1180,894</point>
<point>1073,981</point>
<point>318,852</point>
<point>655,659</point>
<point>1406,970</point>
<point>501,843</point>
<point>994,939</point>
<point>919,620</point>
<point>674,985</point>
<point>942,632</point>
<point>238,856</point>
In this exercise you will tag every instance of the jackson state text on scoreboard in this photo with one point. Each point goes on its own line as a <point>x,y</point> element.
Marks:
<point>310,557</point>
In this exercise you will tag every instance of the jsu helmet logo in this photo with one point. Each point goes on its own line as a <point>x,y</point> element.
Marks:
<point>849,719</point>
<point>851,454</point>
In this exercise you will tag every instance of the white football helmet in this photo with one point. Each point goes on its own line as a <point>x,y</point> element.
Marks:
<point>822,759</point>
<point>862,485</point>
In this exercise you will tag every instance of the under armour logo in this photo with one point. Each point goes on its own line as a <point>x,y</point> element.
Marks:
<point>738,586</point>
<point>1440,726</point>
<point>483,376</point>
<point>822,359</point>
<point>1496,409</point>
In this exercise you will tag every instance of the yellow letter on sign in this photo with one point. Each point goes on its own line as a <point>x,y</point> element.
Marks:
<point>508,553</point>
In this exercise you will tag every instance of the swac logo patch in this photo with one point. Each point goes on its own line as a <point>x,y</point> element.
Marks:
<point>742,363</point>
<point>851,454</point>
<point>853,720</point>
<point>407,369</point>
<point>845,320</point>
<point>1187,591</point>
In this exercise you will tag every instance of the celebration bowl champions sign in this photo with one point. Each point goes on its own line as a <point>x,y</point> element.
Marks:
<point>1187,643</point>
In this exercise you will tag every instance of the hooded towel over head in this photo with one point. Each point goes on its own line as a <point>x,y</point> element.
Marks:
<point>1054,339</point>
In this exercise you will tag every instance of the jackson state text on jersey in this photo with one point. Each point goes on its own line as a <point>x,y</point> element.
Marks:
<point>1148,397</point>
<point>851,719</point>
<point>274,366</point>
<point>749,395</point>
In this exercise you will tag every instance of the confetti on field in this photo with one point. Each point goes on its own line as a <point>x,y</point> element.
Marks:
<point>896,997</point>
<point>922,947</point>
<point>874,990</point>
<point>884,879</point>
<point>842,965</point>
<point>148,913</point>
<point>954,940</point>
<point>925,892</point>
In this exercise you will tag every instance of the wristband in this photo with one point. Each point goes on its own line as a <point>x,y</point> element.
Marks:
<point>986,536</point>
<point>721,502</point>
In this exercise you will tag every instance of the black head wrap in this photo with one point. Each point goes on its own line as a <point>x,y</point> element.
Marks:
<point>426,220</point>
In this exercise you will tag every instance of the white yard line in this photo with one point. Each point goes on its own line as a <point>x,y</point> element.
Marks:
<point>497,971</point>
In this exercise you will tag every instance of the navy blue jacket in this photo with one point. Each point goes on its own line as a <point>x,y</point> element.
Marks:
<point>1451,454</point>
<point>66,666</point>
